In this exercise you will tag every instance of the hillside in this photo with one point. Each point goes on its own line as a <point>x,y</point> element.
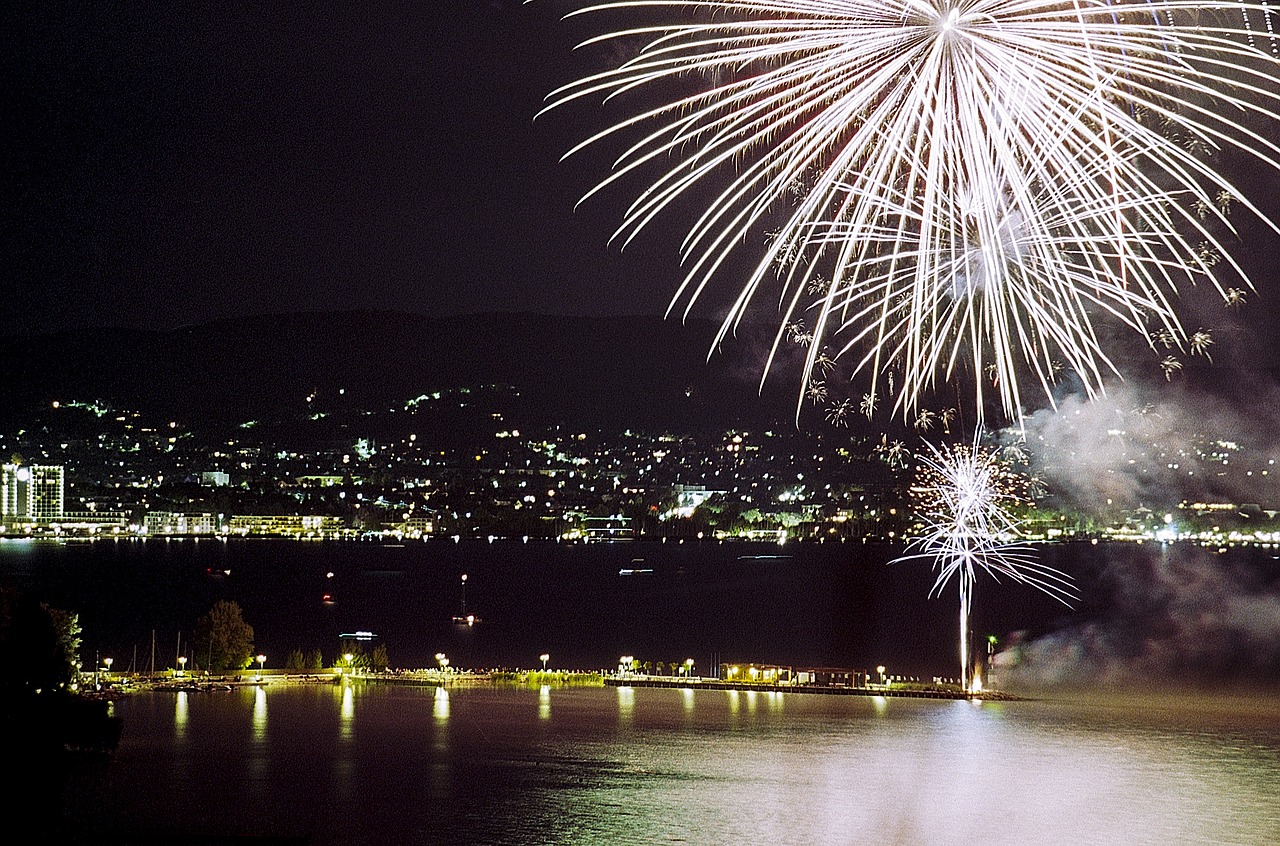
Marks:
<point>626,371</point>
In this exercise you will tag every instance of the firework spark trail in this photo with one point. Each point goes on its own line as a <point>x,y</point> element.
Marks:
<point>978,179</point>
<point>964,494</point>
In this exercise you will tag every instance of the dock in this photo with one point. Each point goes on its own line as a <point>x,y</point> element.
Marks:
<point>829,689</point>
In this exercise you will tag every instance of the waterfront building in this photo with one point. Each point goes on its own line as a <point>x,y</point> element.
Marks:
<point>214,479</point>
<point>91,523</point>
<point>180,523</point>
<point>32,493</point>
<point>415,527</point>
<point>13,490</point>
<point>287,525</point>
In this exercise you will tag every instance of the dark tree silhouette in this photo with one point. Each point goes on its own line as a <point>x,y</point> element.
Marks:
<point>222,639</point>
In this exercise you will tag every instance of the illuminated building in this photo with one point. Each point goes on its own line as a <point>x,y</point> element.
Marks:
<point>415,527</point>
<point>177,523</point>
<point>295,525</point>
<point>31,493</point>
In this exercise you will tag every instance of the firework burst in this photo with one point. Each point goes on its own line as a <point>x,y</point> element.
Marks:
<point>945,184</point>
<point>964,498</point>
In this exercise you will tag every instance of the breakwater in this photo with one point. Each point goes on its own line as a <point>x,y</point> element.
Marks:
<point>836,690</point>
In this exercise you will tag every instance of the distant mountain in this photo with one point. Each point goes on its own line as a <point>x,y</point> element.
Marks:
<point>627,371</point>
<point>612,372</point>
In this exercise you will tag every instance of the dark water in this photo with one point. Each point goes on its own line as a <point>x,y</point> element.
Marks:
<point>388,765</point>
<point>802,603</point>
<point>374,764</point>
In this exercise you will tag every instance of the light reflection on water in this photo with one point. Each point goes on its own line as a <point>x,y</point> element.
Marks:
<point>374,764</point>
<point>259,714</point>
<point>181,710</point>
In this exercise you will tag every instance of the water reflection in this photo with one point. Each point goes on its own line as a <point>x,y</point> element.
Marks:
<point>440,708</point>
<point>806,769</point>
<point>688,701</point>
<point>544,702</point>
<point>626,705</point>
<point>259,714</point>
<point>440,771</point>
<point>181,714</point>
<point>346,712</point>
<point>259,758</point>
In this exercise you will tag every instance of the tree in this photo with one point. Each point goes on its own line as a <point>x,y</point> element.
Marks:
<point>66,626</point>
<point>295,661</point>
<point>39,646</point>
<point>223,638</point>
<point>378,660</point>
<point>359,658</point>
<point>315,661</point>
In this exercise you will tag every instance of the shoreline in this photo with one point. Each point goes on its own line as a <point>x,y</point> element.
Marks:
<point>536,678</point>
<point>832,690</point>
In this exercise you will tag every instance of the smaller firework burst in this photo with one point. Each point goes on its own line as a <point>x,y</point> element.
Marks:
<point>965,496</point>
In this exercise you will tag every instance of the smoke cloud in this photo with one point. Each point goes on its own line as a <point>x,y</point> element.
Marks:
<point>1178,615</point>
<point>1158,447</point>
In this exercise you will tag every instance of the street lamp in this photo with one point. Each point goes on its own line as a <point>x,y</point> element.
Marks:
<point>107,663</point>
<point>182,664</point>
<point>544,657</point>
<point>443,661</point>
<point>262,660</point>
<point>688,667</point>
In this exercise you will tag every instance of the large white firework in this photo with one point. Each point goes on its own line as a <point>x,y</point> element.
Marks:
<point>965,496</point>
<point>944,184</point>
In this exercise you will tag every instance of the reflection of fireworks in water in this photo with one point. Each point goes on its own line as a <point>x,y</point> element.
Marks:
<point>964,495</point>
<point>948,183</point>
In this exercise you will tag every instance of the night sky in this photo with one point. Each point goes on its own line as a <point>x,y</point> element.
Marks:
<point>173,163</point>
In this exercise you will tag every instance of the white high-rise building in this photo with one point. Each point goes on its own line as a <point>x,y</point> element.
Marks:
<point>13,490</point>
<point>32,492</point>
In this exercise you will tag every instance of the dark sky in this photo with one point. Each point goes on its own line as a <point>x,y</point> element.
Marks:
<point>170,163</point>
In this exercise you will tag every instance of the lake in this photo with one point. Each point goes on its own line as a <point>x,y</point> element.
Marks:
<point>378,764</point>
<point>383,764</point>
<point>1150,611</point>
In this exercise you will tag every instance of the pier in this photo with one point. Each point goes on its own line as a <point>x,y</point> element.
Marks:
<point>830,689</point>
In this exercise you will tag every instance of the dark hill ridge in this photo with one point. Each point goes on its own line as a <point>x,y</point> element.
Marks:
<point>640,371</point>
<point>614,372</point>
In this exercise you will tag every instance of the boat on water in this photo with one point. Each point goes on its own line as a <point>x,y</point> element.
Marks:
<point>462,618</point>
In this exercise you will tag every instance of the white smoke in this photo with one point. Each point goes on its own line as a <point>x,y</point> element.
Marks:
<point>1176,615</point>
<point>1157,447</point>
